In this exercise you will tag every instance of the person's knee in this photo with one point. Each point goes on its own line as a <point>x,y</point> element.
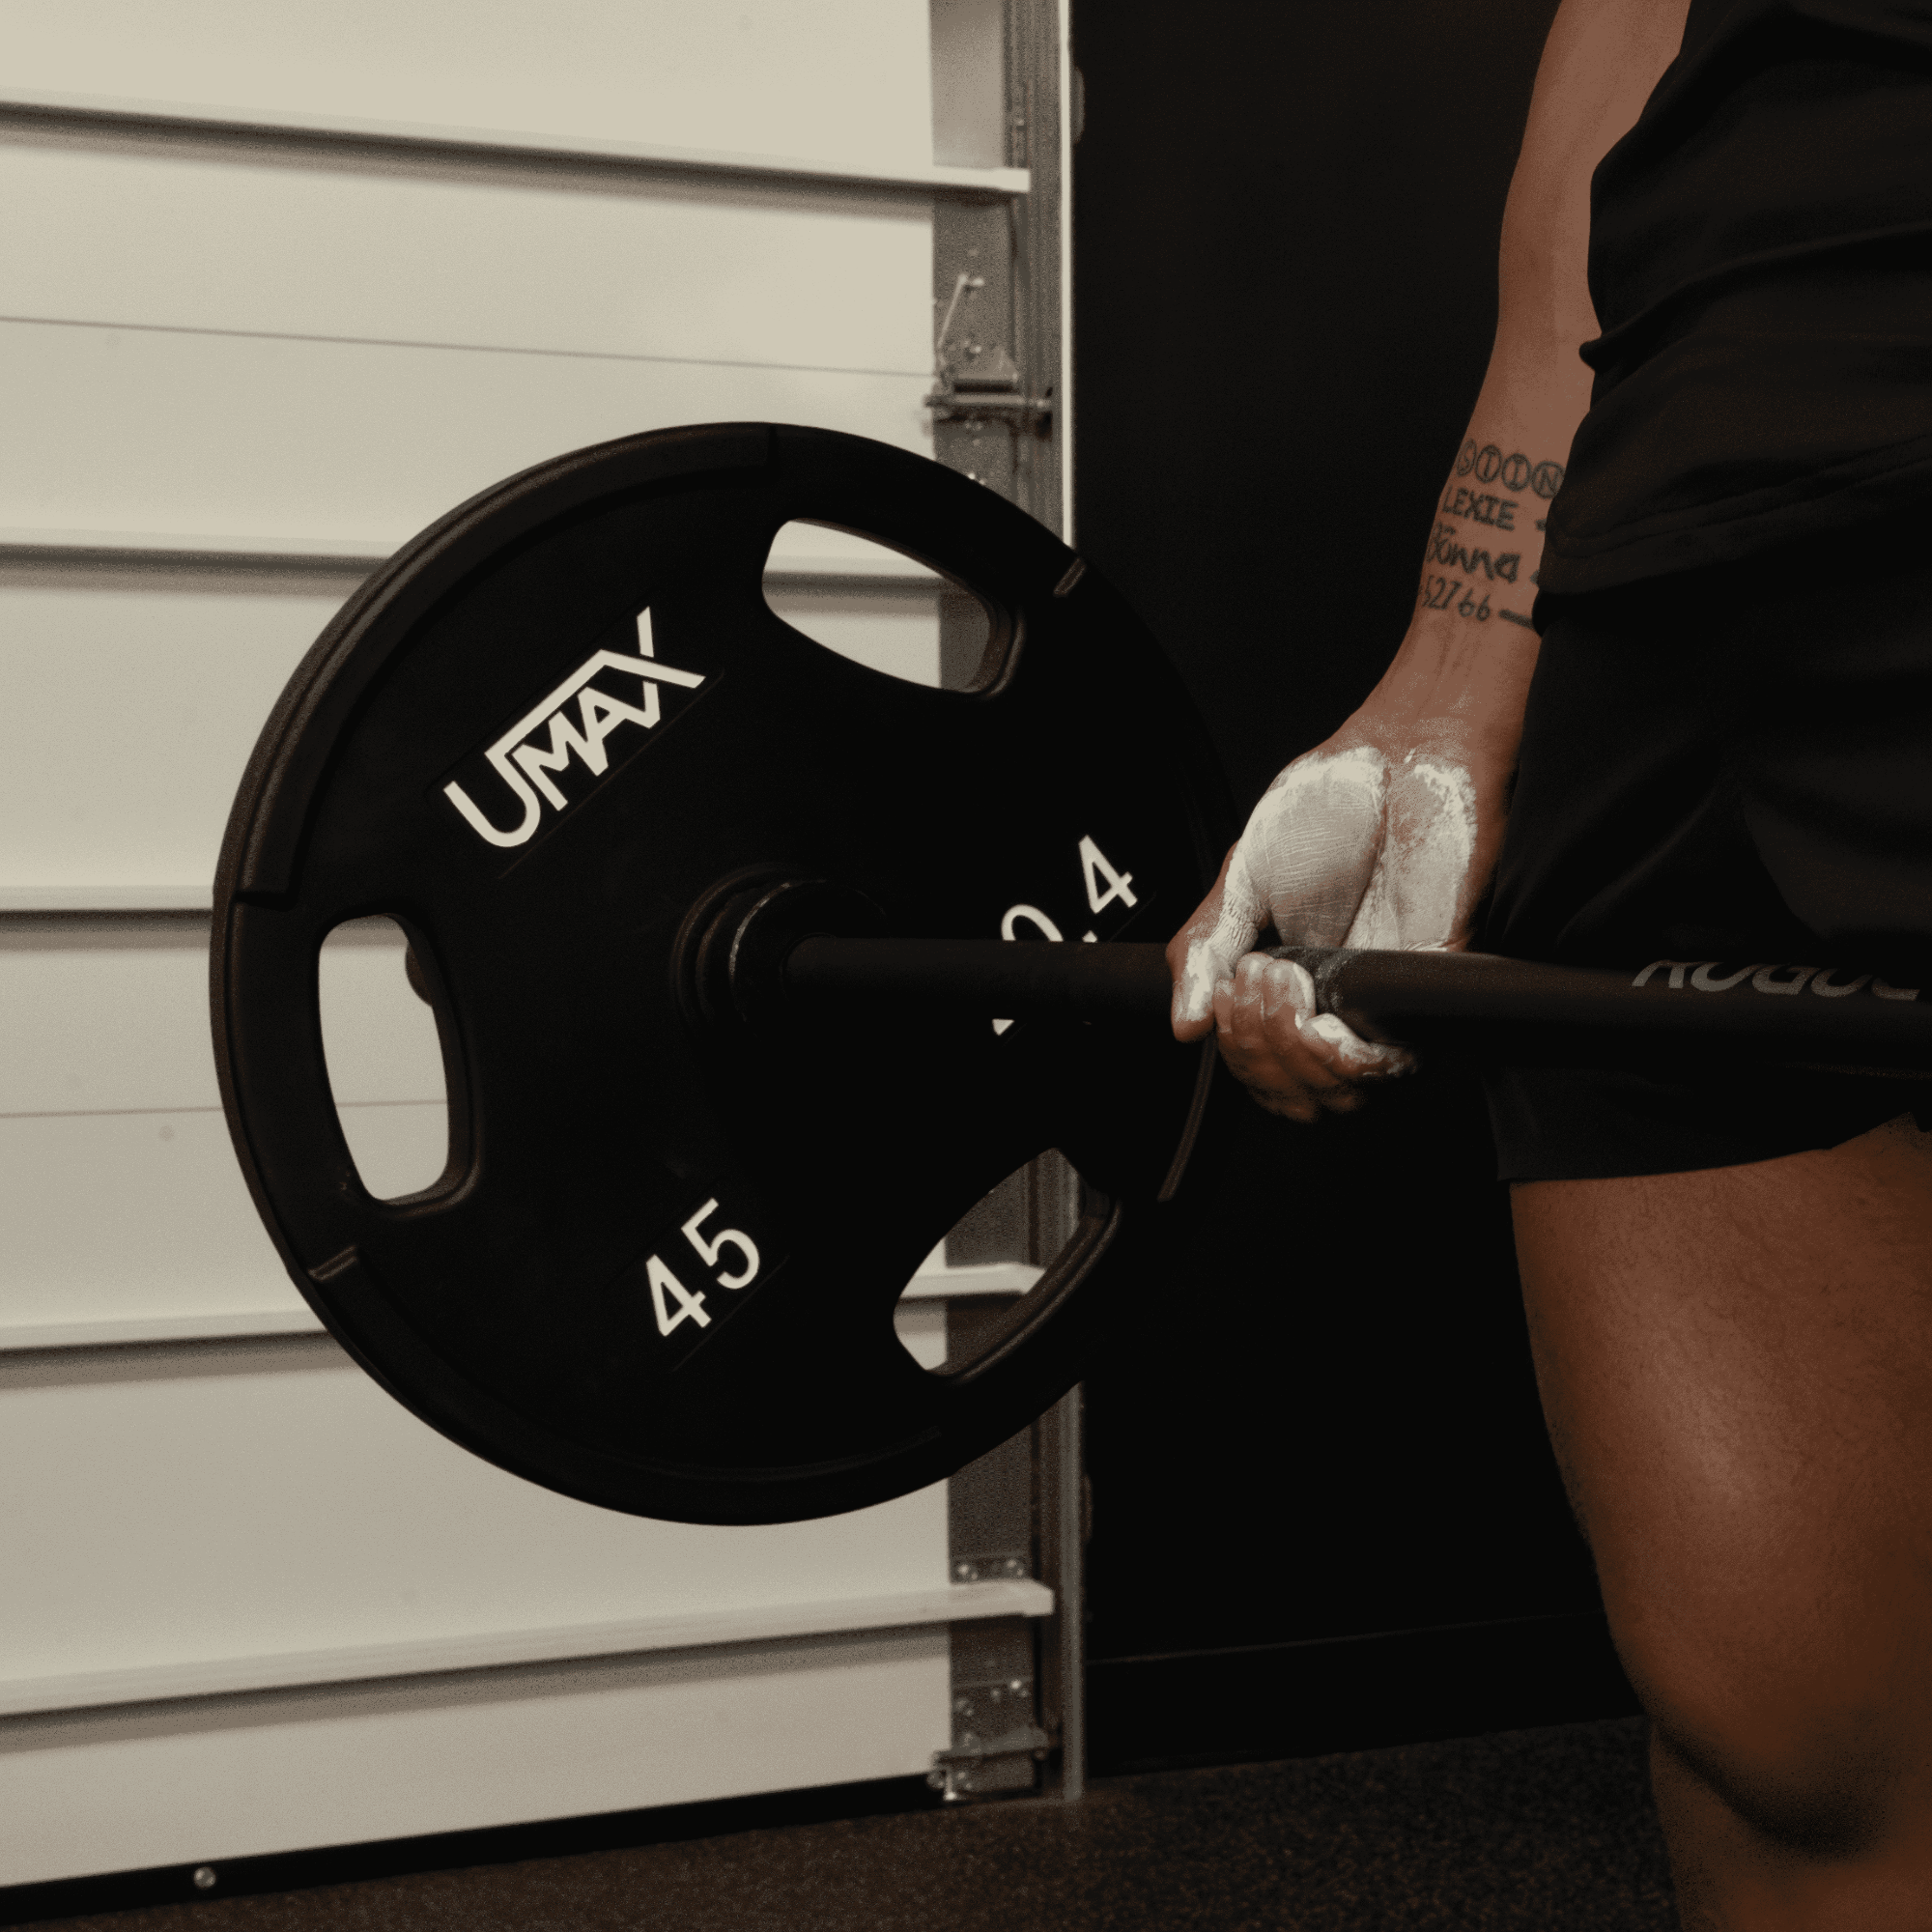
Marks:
<point>1807,1767</point>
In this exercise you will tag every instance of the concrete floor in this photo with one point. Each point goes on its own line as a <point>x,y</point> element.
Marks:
<point>1545,1831</point>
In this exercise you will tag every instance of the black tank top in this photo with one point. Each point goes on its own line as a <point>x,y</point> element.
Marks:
<point>1761,263</point>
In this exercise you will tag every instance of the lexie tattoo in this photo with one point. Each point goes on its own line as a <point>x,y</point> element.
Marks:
<point>1497,508</point>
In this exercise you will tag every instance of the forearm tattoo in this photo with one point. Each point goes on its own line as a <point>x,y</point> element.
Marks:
<point>1465,564</point>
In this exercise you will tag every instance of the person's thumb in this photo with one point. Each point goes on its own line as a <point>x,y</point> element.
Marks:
<point>1227,924</point>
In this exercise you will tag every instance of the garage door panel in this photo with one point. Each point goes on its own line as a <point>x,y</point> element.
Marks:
<point>234,1777</point>
<point>253,1604</point>
<point>763,76</point>
<point>105,1017</point>
<point>269,241</point>
<point>133,786</point>
<point>254,1498</point>
<point>129,1218</point>
<point>264,438</point>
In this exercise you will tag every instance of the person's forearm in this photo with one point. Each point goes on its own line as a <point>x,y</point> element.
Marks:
<point>1457,682</point>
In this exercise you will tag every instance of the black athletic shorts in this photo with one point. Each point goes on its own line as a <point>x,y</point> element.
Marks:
<point>1732,764</point>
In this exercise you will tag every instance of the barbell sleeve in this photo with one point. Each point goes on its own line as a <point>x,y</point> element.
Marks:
<point>1024,980</point>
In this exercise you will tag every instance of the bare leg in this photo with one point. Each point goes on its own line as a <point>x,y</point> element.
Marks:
<point>1737,1369</point>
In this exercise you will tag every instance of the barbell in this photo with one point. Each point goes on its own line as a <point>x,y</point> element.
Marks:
<point>717,928</point>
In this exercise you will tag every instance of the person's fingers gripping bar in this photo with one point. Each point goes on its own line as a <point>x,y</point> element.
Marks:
<point>1212,943</point>
<point>1295,1061</point>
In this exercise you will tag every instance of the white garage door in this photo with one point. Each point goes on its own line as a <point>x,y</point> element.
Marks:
<point>279,285</point>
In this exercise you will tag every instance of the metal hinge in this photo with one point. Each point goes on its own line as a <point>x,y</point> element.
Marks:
<point>995,1742</point>
<point>987,387</point>
<point>978,385</point>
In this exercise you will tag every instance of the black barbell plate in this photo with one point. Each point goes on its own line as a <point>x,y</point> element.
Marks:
<point>659,1268</point>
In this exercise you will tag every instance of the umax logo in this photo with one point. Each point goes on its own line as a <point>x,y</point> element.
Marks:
<point>575,720</point>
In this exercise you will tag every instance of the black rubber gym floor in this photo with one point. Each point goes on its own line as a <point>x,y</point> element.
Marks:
<point>1531,1830</point>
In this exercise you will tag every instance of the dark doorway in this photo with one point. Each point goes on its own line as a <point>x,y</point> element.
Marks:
<point>1325,1516</point>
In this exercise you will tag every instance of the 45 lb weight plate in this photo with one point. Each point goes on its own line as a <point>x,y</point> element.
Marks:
<point>562,740</point>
